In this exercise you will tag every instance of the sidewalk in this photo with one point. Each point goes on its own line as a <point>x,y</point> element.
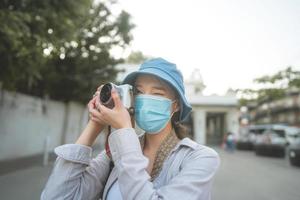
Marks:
<point>23,163</point>
<point>24,184</point>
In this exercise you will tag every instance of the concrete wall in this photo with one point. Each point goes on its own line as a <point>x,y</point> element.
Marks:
<point>26,121</point>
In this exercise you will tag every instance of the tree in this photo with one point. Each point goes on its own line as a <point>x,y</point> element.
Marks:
<point>71,56</point>
<point>137,57</point>
<point>26,28</point>
<point>82,65</point>
<point>287,78</point>
<point>272,87</point>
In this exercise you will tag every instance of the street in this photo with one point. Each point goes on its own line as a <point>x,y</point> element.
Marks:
<point>242,175</point>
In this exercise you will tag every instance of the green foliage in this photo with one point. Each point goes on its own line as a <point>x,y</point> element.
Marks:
<point>273,86</point>
<point>60,48</point>
<point>286,78</point>
<point>136,57</point>
<point>24,32</point>
<point>269,94</point>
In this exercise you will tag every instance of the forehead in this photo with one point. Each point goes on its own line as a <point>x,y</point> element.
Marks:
<point>147,80</point>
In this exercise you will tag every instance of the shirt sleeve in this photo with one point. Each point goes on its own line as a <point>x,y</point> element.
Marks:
<point>192,182</point>
<point>76,175</point>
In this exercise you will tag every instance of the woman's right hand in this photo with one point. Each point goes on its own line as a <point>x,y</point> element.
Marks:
<point>95,125</point>
<point>93,108</point>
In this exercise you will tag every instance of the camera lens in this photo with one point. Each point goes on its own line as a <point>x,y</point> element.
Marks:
<point>105,93</point>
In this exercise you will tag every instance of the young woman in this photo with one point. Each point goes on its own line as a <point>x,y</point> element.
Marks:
<point>161,164</point>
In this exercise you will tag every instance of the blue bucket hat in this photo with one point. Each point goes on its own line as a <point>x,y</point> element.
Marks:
<point>169,73</point>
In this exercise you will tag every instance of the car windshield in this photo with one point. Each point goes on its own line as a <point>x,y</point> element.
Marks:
<point>293,132</point>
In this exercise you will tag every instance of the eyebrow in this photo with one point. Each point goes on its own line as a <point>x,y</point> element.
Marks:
<point>155,87</point>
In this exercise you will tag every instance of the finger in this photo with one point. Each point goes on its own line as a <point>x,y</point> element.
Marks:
<point>116,99</point>
<point>104,110</point>
<point>97,100</point>
<point>95,119</point>
<point>92,116</point>
<point>95,113</point>
<point>92,102</point>
<point>90,105</point>
<point>98,117</point>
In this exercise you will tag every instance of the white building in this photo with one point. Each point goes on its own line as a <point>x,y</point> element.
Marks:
<point>212,116</point>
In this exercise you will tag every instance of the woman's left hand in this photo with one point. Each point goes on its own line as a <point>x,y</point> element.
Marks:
<point>118,117</point>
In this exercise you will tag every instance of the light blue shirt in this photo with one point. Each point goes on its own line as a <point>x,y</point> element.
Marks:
<point>114,192</point>
<point>187,173</point>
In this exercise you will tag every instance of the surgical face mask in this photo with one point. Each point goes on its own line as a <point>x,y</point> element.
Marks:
<point>152,113</point>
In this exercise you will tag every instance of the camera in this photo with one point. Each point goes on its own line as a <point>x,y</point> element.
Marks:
<point>125,93</point>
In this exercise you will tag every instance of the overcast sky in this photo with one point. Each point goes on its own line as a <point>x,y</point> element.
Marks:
<point>230,41</point>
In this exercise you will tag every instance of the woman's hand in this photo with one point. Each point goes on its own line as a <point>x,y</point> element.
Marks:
<point>94,126</point>
<point>93,109</point>
<point>118,117</point>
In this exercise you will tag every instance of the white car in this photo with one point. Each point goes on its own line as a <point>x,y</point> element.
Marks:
<point>248,136</point>
<point>292,134</point>
<point>273,141</point>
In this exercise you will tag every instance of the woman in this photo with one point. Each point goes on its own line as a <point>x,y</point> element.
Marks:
<point>161,164</point>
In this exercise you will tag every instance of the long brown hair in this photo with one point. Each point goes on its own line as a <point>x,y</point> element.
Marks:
<point>180,129</point>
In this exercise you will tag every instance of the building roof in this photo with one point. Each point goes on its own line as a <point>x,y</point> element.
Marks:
<point>127,68</point>
<point>213,100</point>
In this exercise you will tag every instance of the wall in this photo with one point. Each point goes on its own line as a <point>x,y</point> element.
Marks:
<point>26,121</point>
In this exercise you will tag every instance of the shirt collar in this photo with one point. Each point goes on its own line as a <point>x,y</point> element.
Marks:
<point>183,142</point>
<point>186,142</point>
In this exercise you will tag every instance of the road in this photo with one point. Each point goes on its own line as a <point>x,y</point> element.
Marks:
<point>242,175</point>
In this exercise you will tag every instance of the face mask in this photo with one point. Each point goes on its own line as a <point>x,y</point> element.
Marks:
<point>152,113</point>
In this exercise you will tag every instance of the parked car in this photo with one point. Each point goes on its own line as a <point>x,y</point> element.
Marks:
<point>292,134</point>
<point>255,137</point>
<point>294,152</point>
<point>271,143</point>
<point>248,136</point>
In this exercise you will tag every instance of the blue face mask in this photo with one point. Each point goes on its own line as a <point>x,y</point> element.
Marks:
<point>152,113</point>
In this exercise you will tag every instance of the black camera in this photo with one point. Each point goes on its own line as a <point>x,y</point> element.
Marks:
<point>125,93</point>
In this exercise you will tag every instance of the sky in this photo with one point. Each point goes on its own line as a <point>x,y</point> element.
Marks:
<point>231,42</point>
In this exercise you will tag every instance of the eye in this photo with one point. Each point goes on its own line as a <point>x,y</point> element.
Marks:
<point>158,92</point>
<point>136,91</point>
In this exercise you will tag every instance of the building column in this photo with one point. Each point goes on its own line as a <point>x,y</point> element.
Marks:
<point>232,121</point>
<point>199,120</point>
